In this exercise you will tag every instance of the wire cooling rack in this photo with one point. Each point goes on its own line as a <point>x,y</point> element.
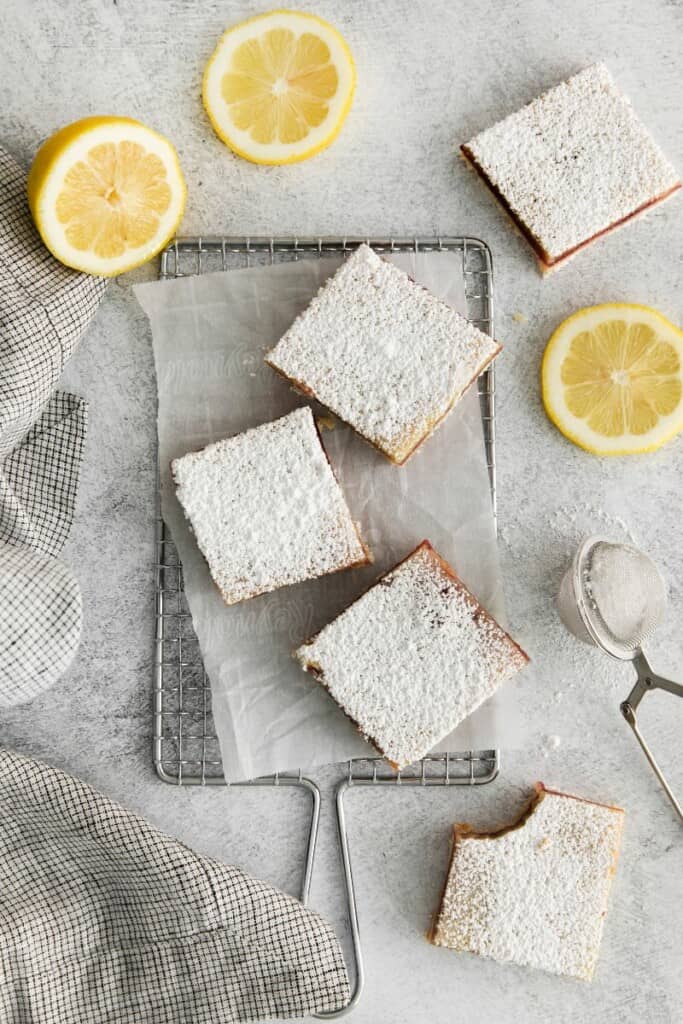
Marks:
<point>186,750</point>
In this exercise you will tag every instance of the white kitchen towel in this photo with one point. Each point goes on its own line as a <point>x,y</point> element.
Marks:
<point>105,919</point>
<point>44,310</point>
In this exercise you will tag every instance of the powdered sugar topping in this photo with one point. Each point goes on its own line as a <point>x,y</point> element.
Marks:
<point>382,353</point>
<point>266,508</point>
<point>535,895</point>
<point>574,162</point>
<point>412,657</point>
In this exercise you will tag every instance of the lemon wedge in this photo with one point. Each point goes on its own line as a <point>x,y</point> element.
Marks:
<point>612,379</point>
<point>279,86</point>
<point>106,194</point>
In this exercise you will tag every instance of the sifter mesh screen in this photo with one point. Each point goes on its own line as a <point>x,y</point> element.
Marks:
<point>624,597</point>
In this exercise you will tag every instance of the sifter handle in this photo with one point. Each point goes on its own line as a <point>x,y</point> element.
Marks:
<point>647,681</point>
<point>651,681</point>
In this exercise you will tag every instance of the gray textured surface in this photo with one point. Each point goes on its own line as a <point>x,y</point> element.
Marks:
<point>429,76</point>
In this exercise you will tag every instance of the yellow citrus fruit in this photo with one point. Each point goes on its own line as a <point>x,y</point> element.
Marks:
<point>612,379</point>
<point>106,194</point>
<point>278,87</point>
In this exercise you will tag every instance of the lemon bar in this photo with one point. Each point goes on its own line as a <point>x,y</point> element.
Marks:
<point>382,353</point>
<point>534,893</point>
<point>412,657</point>
<point>266,508</point>
<point>573,165</point>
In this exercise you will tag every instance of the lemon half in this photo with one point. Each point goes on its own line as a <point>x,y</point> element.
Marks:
<point>279,86</point>
<point>106,194</point>
<point>612,379</point>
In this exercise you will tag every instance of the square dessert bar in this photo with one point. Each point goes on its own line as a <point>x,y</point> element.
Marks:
<point>266,508</point>
<point>572,165</point>
<point>534,893</point>
<point>412,657</point>
<point>382,353</point>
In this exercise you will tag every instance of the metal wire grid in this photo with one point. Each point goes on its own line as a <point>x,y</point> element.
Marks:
<point>186,750</point>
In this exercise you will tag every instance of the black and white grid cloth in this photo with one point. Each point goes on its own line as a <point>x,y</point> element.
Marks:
<point>41,613</point>
<point>39,478</point>
<point>44,309</point>
<point>105,919</point>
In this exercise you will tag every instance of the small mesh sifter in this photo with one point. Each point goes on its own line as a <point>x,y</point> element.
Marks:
<point>613,596</point>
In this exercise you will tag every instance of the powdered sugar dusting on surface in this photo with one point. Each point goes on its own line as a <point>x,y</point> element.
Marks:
<point>572,515</point>
<point>537,894</point>
<point>266,508</point>
<point>574,161</point>
<point>412,657</point>
<point>382,353</point>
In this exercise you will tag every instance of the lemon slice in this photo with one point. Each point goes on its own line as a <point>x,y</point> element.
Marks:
<point>612,379</point>
<point>279,86</point>
<point>106,194</point>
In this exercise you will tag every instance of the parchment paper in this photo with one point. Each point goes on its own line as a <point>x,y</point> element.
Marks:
<point>210,333</point>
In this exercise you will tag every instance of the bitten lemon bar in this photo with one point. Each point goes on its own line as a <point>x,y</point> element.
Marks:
<point>266,508</point>
<point>534,893</point>
<point>412,657</point>
<point>382,353</point>
<point>573,165</point>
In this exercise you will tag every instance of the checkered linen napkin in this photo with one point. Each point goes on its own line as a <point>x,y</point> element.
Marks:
<point>44,309</point>
<point>41,612</point>
<point>105,919</point>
